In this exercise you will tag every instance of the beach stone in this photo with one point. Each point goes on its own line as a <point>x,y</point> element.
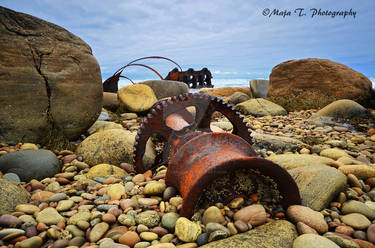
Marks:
<point>291,161</point>
<point>241,226</point>
<point>224,125</point>
<point>232,228</point>
<point>313,241</point>
<point>318,180</point>
<point>216,235</point>
<point>253,214</point>
<point>306,215</point>
<point>27,208</point>
<point>11,195</point>
<point>12,177</point>
<point>356,220</point>
<point>302,228</point>
<point>364,244</point>
<point>358,207</point>
<point>136,98</point>
<point>333,153</point>
<point>276,143</point>
<point>111,244</point>
<point>28,220</point>
<point>64,205</point>
<point>126,219</point>
<point>148,236</point>
<point>33,242</point>
<point>371,233</point>
<point>105,170</point>
<point>53,187</point>
<point>142,244</point>
<point>259,87</point>
<point>114,146</point>
<point>41,196</point>
<point>129,116</point>
<point>77,241</point>
<point>212,214</point>
<point>166,88</point>
<point>238,97</point>
<point>80,216</point>
<point>260,107</point>
<point>49,216</point>
<point>7,220</point>
<point>98,231</point>
<point>361,171</point>
<point>312,83</point>
<point>148,201</point>
<point>60,243</point>
<point>29,146</point>
<point>154,188</point>
<point>75,231</point>
<point>162,245</point>
<point>212,227</point>
<point>187,230</point>
<point>99,126</point>
<point>169,221</point>
<point>279,233</point>
<point>59,77</point>
<point>225,91</point>
<point>9,231</point>
<point>110,101</point>
<point>129,238</point>
<point>343,109</point>
<point>30,164</point>
<point>57,197</point>
<point>115,191</point>
<point>148,218</point>
<point>340,241</point>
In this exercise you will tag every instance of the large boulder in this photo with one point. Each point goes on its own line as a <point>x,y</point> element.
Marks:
<point>136,98</point>
<point>30,164</point>
<point>50,83</point>
<point>167,88</point>
<point>313,83</point>
<point>291,161</point>
<point>276,143</point>
<point>110,101</point>
<point>259,87</point>
<point>113,146</point>
<point>343,109</point>
<point>11,194</point>
<point>260,107</point>
<point>226,91</point>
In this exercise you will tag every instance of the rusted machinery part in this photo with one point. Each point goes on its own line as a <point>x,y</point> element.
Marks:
<point>148,57</point>
<point>207,157</point>
<point>146,66</point>
<point>127,79</point>
<point>171,120</point>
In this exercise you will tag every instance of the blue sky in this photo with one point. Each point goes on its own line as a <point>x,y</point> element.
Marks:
<point>232,38</point>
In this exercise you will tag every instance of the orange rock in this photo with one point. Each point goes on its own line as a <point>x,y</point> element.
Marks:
<point>41,195</point>
<point>129,238</point>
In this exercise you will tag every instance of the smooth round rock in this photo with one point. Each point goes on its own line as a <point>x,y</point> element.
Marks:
<point>187,230</point>
<point>12,177</point>
<point>104,170</point>
<point>115,191</point>
<point>7,220</point>
<point>98,231</point>
<point>30,164</point>
<point>358,207</point>
<point>33,242</point>
<point>313,219</point>
<point>169,221</point>
<point>154,188</point>
<point>148,218</point>
<point>212,214</point>
<point>136,98</point>
<point>49,216</point>
<point>241,226</point>
<point>371,233</point>
<point>253,214</point>
<point>355,220</point>
<point>148,236</point>
<point>64,205</point>
<point>313,241</point>
<point>129,238</point>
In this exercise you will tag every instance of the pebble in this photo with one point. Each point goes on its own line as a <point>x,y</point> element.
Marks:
<point>7,220</point>
<point>253,214</point>
<point>139,178</point>
<point>7,231</point>
<point>33,242</point>
<point>148,236</point>
<point>359,170</point>
<point>306,215</point>
<point>126,219</point>
<point>169,192</point>
<point>232,229</point>
<point>64,205</point>
<point>236,202</point>
<point>98,231</point>
<point>154,188</point>
<point>212,214</point>
<point>60,243</point>
<point>57,197</point>
<point>358,207</point>
<point>346,230</point>
<point>116,191</point>
<point>148,218</point>
<point>212,227</point>
<point>313,241</point>
<point>111,244</point>
<point>105,207</point>
<point>355,220</point>
<point>142,228</point>
<point>241,226</point>
<point>12,177</point>
<point>302,228</point>
<point>371,233</point>
<point>129,238</point>
<point>49,216</point>
<point>216,235</point>
<point>202,239</point>
<point>148,201</point>
<point>109,218</point>
<point>360,235</point>
<point>187,230</point>
<point>142,244</point>
<point>341,241</point>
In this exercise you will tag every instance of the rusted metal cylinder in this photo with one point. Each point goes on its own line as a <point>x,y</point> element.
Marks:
<point>204,158</point>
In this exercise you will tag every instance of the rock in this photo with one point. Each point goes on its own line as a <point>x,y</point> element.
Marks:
<point>10,231</point>
<point>343,109</point>
<point>224,125</point>
<point>212,227</point>
<point>148,218</point>
<point>57,197</point>
<point>99,126</point>
<point>238,97</point>
<point>42,196</point>
<point>98,231</point>
<point>148,236</point>
<point>77,241</point>
<point>363,243</point>
<point>361,171</point>
<point>253,214</point>
<point>356,220</point>
<point>259,87</point>
<point>154,188</point>
<point>33,242</point>
<point>313,241</point>
<point>110,101</point>
<point>30,164</point>
<point>80,216</point>
<point>49,216</point>
<point>136,98</point>
<point>276,143</point>
<point>217,235</point>
<point>169,221</point>
<point>225,91</point>
<point>358,207</point>
<point>166,88</point>
<point>104,116</point>
<point>12,177</point>
<point>64,205</point>
<point>129,238</point>
<point>11,194</point>
<point>105,170</point>
<point>129,116</point>
<point>334,153</point>
<point>7,220</point>
<point>162,245</point>
<point>371,233</point>
<point>59,77</point>
<point>318,185</point>
<point>312,83</point>
<point>241,226</point>
<point>115,191</point>
<point>187,230</point>
<point>305,229</point>
<point>111,244</point>
<point>313,219</point>
<point>280,233</point>
<point>260,107</point>
<point>212,214</point>
<point>340,241</point>
<point>29,146</point>
<point>291,161</point>
<point>126,219</point>
<point>114,146</point>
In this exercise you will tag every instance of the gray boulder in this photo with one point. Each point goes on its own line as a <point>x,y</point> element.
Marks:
<point>167,88</point>
<point>259,87</point>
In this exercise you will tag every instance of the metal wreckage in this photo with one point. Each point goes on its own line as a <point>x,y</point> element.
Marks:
<point>208,167</point>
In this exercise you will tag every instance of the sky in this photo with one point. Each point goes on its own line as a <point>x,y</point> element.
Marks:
<point>237,39</point>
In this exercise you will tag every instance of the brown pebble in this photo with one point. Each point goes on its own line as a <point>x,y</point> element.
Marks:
<point>347,230</point>
<point>115,211</point>
<point>129,238</point>
<point>241,226</point>
<point>109,218</point>
<point>62,180</point>
<point>364,244</point>
<point>371,181</point>
<point>305,229</point>
<point>126,203</point>
<point>129,168</point>
<point>159,231</point>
